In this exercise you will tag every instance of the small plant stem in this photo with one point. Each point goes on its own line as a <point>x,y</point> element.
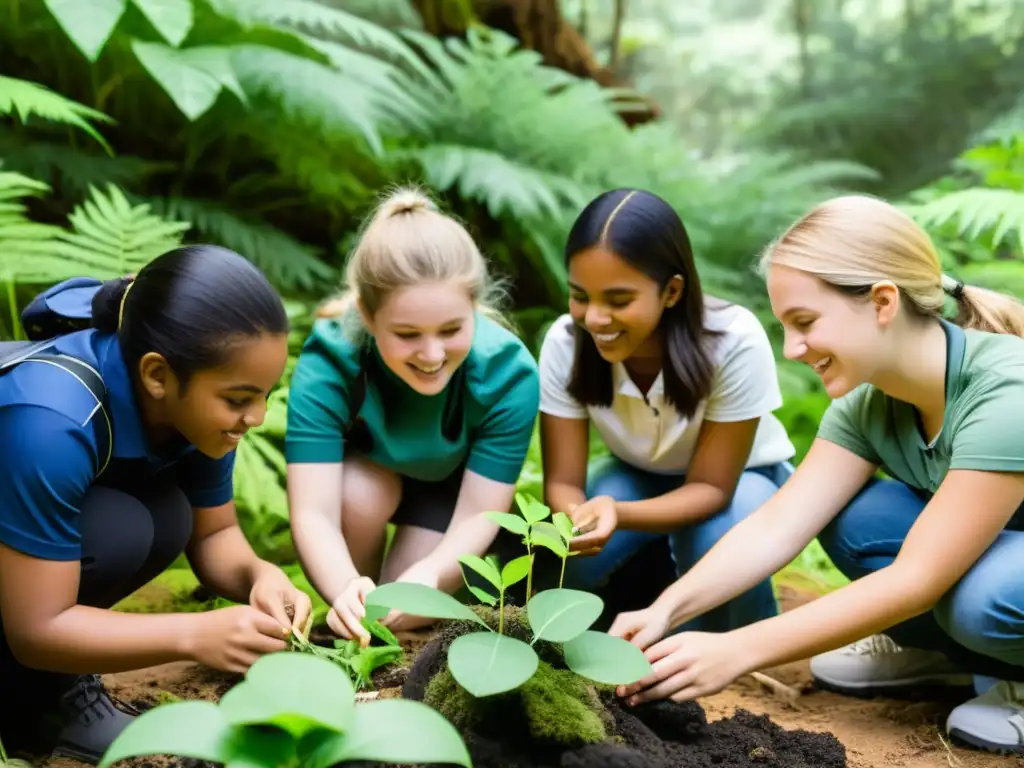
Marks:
<point>529,573</point>
<point>561,576</point>
<point>501,611</point>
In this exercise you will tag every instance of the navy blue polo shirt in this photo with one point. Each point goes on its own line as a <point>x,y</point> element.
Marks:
<point>49,453</point>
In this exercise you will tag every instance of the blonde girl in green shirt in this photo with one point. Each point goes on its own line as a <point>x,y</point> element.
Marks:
<point>934,550</point>
<point>410,403</point>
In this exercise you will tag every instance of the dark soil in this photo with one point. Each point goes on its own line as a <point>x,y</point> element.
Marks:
<point>656,735</point>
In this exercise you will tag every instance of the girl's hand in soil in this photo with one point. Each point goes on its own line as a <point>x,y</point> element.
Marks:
<point>273,593</point>
<point>346,615</point>
<point>686,666</point>
<point>596,520</point>
<point>642,628</point>
<point>232,639</point>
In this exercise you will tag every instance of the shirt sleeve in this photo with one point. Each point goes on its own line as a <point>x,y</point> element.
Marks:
<point>317,410</point>
<point>48,465</point>
<point>556,362</point>
<point>746,382</point>
<point>207,482</point>
<point>843,424</point>
<point>990,435</point>
<point>502,440</point>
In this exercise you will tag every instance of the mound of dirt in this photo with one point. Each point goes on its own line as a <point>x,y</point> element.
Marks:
<point>521,729</point>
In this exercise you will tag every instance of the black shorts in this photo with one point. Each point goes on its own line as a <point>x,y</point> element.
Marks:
<point>429,503</point>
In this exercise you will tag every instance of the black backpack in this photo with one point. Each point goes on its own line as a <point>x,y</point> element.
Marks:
<point>43,324</point>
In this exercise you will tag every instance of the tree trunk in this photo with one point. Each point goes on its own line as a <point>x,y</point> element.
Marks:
<point>537,24</point>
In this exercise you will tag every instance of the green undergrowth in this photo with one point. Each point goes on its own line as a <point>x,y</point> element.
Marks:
<point>555,705</point>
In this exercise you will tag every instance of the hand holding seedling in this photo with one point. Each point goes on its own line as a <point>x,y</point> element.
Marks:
<point>686,666</point>
<point>232,639</point>
<point>345,618</point>
<point>594,521</point>
<point>273,593</point>
<point>642,628</point>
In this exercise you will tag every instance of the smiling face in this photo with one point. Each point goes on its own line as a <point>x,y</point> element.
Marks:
<point>620,306</point>
<point>840,336</point>
<point>424,333</point>
<point>218,405</point>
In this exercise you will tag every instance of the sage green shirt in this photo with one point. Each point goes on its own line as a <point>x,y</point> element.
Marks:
<point>983,427</point>
<point>483,418</point>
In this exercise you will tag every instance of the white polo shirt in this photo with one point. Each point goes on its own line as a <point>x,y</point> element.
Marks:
<point>650,434</point>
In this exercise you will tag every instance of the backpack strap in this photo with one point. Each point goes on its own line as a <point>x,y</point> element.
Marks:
<point>84,373</point>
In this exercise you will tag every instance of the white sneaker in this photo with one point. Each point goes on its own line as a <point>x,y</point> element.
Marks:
<point>876,666</point>
<point>993,721</point>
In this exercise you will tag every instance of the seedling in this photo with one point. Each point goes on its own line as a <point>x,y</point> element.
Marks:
<point>7,762</point>
<point>292,710</point>
<point>358,662</point>
<point>488,662</point>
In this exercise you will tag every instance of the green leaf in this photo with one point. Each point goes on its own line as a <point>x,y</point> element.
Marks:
<point>196,729</point>
<point>26,98</point>
<point>509,522</point>
<point>294,691</point>
<point>546,535</point>
<point>88,24</point>
<point>427,737</point>
<point>421,600</point>
<point>532,509</point>
<point>486,663</point>
<point>516,570</point>
<point>559,615</point>
<point>483,567</point>
<point>606,659</point>
<point>171,18</point>
<point>192,77</point>
<point>482,596</point>
<point>563,524</point>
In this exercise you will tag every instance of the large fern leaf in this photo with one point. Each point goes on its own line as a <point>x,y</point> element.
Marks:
<point>23,242</point>
<point>25,99</point>
<point>998,213</point>
<point>109,238</point>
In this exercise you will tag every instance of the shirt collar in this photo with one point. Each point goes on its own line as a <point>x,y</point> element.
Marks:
<point>625,386</point>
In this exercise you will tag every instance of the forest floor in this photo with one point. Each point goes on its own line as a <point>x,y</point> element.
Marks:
<point>877,733</point>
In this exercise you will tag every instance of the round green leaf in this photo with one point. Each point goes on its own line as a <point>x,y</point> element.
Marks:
<point>485,663</point>
<point>484,568</point>
<point>559,615</point>
<point>421,600</point>
<point>427,737</point>
<point>546,535</point>
<point>196,729</point>
<point>294,691</point>
<point>564,525</point>
<point>606,659</point>
<point>509,522</point>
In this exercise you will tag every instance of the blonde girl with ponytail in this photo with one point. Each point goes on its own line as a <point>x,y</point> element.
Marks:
<point>932,548</point>
<point>412,403</point>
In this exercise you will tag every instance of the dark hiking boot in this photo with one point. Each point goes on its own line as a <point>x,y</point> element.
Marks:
<point>90,721</point>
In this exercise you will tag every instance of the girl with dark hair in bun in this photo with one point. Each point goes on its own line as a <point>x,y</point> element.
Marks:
<point>118,443</point>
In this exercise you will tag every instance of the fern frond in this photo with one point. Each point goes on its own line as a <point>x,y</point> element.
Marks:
<point>110,238</point>
<point>25,99</point>
<point>976,211</point>
<point>288,263</point>
<point>22,241</point>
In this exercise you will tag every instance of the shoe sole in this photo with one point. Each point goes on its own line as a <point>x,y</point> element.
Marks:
<point>973,741</point>
<point>76,754</point>
<point>915,688</point>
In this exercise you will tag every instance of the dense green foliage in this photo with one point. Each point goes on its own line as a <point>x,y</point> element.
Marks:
<point>273,126</point>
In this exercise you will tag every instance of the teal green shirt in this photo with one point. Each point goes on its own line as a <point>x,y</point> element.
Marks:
<point>983,427</point>
<point>489,407</point>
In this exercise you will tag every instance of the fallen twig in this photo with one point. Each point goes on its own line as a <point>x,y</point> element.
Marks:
<point>787,693</point>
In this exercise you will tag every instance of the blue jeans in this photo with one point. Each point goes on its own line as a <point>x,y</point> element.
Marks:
<point>979,622</point>
<point>624,482</point>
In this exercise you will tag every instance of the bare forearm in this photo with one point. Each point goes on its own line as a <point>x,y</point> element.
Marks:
<point>85,640</point>
<point>689,504</point>
<point>750,552</point>
<point>562,497</point>
<point>865,607</point>
<point>226,564</point>
<point>324,554</point>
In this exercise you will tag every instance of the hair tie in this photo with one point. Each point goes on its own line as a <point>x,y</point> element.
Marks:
<point>952,286</point>
<point>120,310</point>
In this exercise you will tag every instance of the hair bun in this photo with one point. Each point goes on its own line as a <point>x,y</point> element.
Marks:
<point>406,201</point>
